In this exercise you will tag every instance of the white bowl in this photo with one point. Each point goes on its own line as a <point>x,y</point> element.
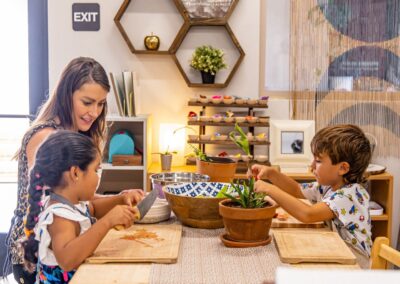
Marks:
<point>217,118</point>
<point>193,100</point>
<point>240,119</point>
<point>245,158</point>
<point>159,211</point>
<point>263,119</point>
<point>261,139</point>
<point>263,102</point>
<point>193,137</point>
<point>240,101</point>
<point>192,118</point>
<point>229,119</point>
<point>221,137</point>
<point>261,158</point>
<point>205,118</point>
<point>216,100</point>
<point>252,119</point>
<point>204,100</point>
<point>228,101</point>
<point>205,137</point>
<point>252,102</point>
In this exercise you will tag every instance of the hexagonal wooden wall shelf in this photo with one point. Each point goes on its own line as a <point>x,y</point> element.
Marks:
<point>218,36</point>
<point>135,21</point>
<point>206,12</point>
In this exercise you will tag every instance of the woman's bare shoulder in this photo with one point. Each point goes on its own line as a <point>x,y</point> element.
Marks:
<point>35,141</point>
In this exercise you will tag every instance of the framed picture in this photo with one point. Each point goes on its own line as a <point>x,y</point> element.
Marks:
<point>290,144</point>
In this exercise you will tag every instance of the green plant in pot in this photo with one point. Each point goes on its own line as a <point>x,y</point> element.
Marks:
<point>247,216</point>
<point>166,159</point>
<point>208,60</point>
<point>166,156</point>
<point>219,169</point>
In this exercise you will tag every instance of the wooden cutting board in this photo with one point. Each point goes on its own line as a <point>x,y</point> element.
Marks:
<point>292,222</point>
<point>310,246</point>
<point>140,243</point>
<point>115,273</point>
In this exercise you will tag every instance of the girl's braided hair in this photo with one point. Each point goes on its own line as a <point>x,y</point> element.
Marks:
<point>58,153</point>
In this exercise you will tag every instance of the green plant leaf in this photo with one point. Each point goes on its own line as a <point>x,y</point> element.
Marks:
<point>242,142</point>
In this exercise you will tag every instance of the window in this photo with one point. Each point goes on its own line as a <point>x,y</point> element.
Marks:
<point>14,79</point>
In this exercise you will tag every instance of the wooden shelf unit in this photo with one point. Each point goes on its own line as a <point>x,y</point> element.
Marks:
<point>251,126</point>
<point>117,178</point>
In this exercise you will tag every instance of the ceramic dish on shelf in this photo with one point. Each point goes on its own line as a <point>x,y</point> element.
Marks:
<point>205,137</point>
<point>221,137</point>
<point>228,101</point>
<point>240,119</point>
<point>229,119</point>
<point>204,100</point>
<point>240,101</point>
<point>252,101</point>
<point>193,137</point>
<point>193,100</point>
<point>261,158</point>
<point>375,169</point>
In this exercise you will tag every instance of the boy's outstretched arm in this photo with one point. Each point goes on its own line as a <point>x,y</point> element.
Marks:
<point>295,207</point>
<point>277,178</point>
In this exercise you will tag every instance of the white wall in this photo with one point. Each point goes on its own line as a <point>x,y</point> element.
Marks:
<point>164,92</point>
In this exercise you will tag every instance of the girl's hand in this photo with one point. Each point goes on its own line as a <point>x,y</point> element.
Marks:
<point>132,196</point>
<point>121,215</point>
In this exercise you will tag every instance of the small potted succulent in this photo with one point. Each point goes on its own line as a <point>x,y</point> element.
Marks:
<point>208,60</point>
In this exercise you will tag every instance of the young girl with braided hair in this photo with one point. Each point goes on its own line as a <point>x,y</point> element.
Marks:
<point>60,230</point>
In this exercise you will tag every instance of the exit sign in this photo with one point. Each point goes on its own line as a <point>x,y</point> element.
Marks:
<point>86,17</point>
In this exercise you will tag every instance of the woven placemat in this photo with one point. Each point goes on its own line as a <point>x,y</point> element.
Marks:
<point>204,259</point>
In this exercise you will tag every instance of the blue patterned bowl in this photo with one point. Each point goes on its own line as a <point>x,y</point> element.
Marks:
<point>195,204</point>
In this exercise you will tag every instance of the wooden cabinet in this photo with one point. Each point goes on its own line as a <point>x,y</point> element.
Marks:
<point>117,178</point>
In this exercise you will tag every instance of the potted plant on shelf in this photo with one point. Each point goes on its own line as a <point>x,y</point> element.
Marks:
<point>219,169</point>
<point>208,60</point>
<point>247,216</point>
<point>166,159</point>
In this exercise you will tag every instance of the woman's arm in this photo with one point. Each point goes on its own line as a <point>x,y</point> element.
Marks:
<point>71,249</point>
<point>295,207</point>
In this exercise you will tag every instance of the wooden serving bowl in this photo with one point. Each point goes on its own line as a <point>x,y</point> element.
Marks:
<point>195,204</point>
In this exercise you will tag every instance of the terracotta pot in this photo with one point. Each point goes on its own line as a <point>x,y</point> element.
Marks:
<point>244,224</point>
<point>220,170</point>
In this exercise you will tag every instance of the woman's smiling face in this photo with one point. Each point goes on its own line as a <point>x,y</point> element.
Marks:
<point>88,103</point>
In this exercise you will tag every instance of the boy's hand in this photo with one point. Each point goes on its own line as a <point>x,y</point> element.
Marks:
<point>121,215</point>
<point>259,171</point>
<point>262,186</point>
<point>131,197</point>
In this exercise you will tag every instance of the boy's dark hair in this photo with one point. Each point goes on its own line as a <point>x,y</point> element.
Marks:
<point>344,143</point>
<point>58,153</point>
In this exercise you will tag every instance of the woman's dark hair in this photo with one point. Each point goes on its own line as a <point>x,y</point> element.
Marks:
<point>58,153</point>
<point>78,72</point>
<point>344,143</point>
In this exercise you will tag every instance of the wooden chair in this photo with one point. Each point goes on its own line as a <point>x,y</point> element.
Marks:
<point>382,253</point>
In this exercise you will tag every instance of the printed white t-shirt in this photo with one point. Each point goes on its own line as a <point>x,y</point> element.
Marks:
<point>350,204</point>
